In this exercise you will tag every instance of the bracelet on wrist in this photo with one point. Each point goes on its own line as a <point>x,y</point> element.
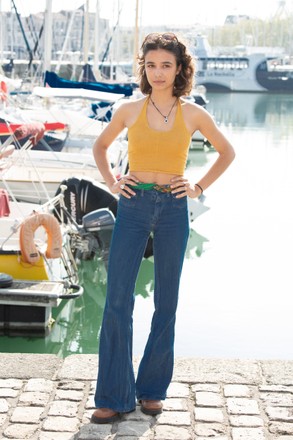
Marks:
<point>196,184</point>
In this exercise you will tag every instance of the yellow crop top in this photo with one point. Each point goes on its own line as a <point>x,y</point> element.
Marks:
<point>158,151</point>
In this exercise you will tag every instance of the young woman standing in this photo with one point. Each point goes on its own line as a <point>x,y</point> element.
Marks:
<point>153,198</point>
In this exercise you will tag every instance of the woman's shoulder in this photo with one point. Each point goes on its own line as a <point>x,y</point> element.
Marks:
<point>130,109</point>
<point>130,105</point>
<point>193,114</point>
<point>188,105</point>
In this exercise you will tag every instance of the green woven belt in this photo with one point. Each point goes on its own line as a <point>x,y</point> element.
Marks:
<point>148,186</point>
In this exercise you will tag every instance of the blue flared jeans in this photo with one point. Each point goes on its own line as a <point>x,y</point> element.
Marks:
<point>167,218</point>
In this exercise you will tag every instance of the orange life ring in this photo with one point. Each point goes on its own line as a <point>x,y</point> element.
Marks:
<point>28,227</point>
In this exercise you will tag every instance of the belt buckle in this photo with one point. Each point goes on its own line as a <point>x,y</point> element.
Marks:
<point>163,188</point>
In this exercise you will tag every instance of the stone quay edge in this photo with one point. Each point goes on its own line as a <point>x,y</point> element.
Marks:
<point>44,397</point>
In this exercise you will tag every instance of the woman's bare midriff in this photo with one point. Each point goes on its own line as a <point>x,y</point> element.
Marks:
<point>147,177</point>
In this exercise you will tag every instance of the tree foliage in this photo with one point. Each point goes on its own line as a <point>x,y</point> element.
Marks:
<point>276,32</point>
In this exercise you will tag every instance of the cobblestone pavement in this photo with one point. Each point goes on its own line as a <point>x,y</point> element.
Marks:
<point>43,397</point>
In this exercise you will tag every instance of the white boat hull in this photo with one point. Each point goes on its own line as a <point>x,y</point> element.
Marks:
<point>34,176</point>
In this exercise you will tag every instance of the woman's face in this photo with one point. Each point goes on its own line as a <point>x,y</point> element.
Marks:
<point>161,69</point>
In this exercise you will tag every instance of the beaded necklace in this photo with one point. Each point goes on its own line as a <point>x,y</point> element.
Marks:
<point>166,117</point>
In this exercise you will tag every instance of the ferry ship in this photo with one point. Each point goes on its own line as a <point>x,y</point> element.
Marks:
<point>256,72</point>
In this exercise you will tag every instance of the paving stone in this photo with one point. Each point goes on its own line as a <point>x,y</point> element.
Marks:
<point>277,399</point>
<point>174,418</point>
<point>60,424</point>
<point>71,385</point>
<point>128,437</point>
<point>285,437</point>
<point>94,432</point>
<point>69,395</point>
<point>86,416</point>
<point>34,398</point>
<point>165,432</point>
<point>42,385</point>
<point>239,405</point>
<point>8,392</point>
<point>175,404</point>
<point>281,428</point>
<point>134,429</point>
<point>55,436</point>
<point>237,391</point>
<point>90,404</point>
<point>248,421</point>
<point>3,406</point>
<point>209,429</point>
<point>26,414</point>
<point>283,414</point>
<point>213,388</point>
<point>178,390</point>
<point>208,415</point>
<point>248,434</point>
<point>218,437</point>
<point>206,398</point>
<point>276,388</point>
<point>278,372</point>
<point>20,431</point>
<point>2,419</point>
<point>93,385</point>
<point>15,384</point>
<point>137,415</point>
<point>63,408</point>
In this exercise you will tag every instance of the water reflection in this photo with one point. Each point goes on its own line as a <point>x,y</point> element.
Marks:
<point>251,109</point>
<point>195,245</point>
<point>78,322</point>
<point>199,157</point>
<point>232,311</point>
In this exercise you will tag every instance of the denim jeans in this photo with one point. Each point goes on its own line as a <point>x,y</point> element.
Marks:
<point>167,217</point>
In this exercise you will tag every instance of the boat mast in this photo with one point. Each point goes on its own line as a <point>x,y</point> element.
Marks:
<point>1,34</point>
<point>136,36</point>
<point>86,33</point>
<point>97,41</point>
<point>48,36</point>
<point>23,34</point>
<point>66,39</point>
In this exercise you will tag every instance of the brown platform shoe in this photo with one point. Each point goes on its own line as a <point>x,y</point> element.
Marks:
<point>151,407</point>
<point>105,415</point>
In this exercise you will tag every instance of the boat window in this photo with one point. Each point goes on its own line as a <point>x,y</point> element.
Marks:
<point>224,63</point>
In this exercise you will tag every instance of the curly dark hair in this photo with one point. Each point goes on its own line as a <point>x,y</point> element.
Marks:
<point>167,41</point>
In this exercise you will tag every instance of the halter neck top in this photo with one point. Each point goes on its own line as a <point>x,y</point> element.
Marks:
<point>158,151</point>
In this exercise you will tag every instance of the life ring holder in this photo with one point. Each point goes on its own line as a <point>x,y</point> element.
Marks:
<point>28,249</point>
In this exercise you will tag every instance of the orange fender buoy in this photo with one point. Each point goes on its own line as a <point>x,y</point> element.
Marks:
<point>28,248</point>
<point>3,91</point>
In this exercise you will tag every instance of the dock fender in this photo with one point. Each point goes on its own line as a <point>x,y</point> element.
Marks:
<point>5,280</point>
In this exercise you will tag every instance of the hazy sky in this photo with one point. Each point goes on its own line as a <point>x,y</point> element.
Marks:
<point>163,11</point>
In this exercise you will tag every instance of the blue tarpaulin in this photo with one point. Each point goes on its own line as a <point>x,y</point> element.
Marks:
<point>53,80</point>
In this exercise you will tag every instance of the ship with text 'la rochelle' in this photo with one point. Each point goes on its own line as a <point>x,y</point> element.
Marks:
<point>253,72</point>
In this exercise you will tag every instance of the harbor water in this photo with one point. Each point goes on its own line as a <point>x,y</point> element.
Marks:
<point>236,291</point>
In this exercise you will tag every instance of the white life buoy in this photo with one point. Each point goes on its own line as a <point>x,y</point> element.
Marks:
<point>28,248</point>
